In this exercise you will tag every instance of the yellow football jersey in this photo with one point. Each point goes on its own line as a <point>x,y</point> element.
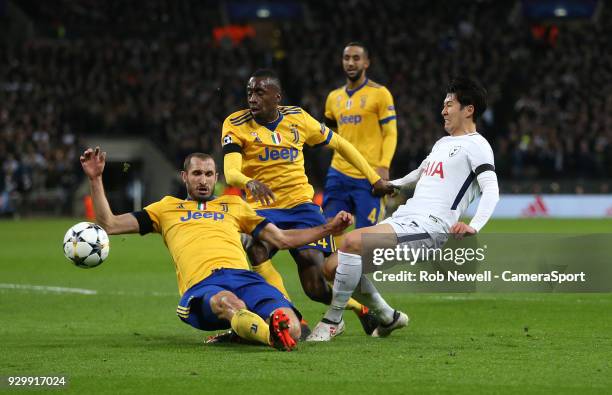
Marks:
<point>359,115</point>
<point>204,236</point>
<point>272,153</point>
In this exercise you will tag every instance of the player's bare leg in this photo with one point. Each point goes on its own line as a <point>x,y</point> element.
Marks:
<point>259,253</point>
<point>350,281</point>
<point>225,304</point>
<point>352,242</point>
<point>246,324</point>
<point>329,268</point>
<point>310,265</point>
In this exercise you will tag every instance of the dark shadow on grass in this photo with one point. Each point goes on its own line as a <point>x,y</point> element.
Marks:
<point>142,341</point>
<point>192,341</point>
<point>239,348</point>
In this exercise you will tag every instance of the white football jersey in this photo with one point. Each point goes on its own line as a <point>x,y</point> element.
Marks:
<point>448,183</point>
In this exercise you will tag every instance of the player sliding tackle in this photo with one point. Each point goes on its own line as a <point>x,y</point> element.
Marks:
<point>459,167</point>
<point>202,234</point>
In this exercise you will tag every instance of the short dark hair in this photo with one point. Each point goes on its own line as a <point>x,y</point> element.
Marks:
<point>360,45</point>
<point>270,74</point>
<point>199,155</point>
<point>469,92</point>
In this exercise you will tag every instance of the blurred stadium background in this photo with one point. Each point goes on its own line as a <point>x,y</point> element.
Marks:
<point>152,81</point>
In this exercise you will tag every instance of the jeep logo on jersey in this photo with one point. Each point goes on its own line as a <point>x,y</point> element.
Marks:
<point>276,154</point>
<point>202,215</point>
<point>453,151</point>
<point>348,119</point>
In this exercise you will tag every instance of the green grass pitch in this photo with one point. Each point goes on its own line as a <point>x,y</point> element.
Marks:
<point>126,338</point>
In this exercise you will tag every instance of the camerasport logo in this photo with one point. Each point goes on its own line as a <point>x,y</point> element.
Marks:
<point>536,208</point>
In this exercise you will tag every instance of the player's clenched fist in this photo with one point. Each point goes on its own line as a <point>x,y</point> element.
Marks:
<point>341,221</point>
<point>382,188</point>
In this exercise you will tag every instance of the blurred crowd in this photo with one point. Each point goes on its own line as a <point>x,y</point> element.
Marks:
<point>550,87</point>
<point>155,69</point>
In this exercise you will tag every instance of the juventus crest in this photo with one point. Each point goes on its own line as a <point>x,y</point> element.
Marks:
<point>295,132</point>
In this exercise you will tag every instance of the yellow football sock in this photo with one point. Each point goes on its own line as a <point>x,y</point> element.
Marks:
<point>250,326</point>
<point>338,240</point>
<point>272,276</point>
<point>353,305</point>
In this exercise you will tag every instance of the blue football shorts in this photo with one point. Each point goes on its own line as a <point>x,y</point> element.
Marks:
<point>353,195</point>
<point>306,215</point>
<point>259,297</point>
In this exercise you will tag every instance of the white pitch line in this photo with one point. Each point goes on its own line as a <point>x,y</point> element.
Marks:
<point>48,288</point>
<point>141,293</point>
<point>82,291</point>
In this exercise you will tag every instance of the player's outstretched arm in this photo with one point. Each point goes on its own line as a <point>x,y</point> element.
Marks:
<point>389,143</point>
<point>93,161</point>
<point>408,179</point>
<point>380,187</point>
<point>232,168</point>
<point>293,238</point>
<point>383,172</point>
<point>490,196</point>
<point>354,157</point>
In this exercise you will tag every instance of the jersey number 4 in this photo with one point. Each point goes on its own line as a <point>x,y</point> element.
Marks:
<point>323,243</point>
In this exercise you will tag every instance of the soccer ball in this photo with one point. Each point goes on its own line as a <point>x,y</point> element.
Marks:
<point>86,245</point>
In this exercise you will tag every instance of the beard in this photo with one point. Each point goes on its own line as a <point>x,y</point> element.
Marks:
<point>196,196</point>
<point>356,77</point>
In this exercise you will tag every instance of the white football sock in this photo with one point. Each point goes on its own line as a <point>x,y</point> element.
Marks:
<point>367,294</point>
<point>348,274</point>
